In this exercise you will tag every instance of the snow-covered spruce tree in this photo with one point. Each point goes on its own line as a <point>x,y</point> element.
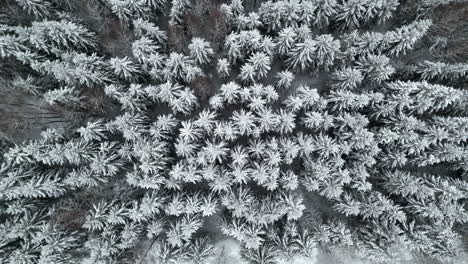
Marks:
<point>285,79</point>
<point>429,70</point>
<point>124,68</point>
<point>347,78</point>
<point>47,36</point>
<point>127,10</point>
<point>377,68</point>
<point>353,13</point>
<point>280,14</point>
<point>317,54</point>
<point>223,67</point>
<point>178,8</point>
<point>315,134</point>
<point>148,29</point>
<point>75,69</point>
<point>302,55</point>
<point>391,43</point>
<point>200,50</point>
<point>38,8</point>
<point>66,96</point>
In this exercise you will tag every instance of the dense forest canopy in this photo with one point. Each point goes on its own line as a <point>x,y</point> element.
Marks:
<point>231,131</point>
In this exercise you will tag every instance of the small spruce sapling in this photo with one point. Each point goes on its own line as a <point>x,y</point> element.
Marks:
<point>223,67</point>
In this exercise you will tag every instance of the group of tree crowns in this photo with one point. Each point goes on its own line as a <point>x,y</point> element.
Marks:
<point>319,137</point>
